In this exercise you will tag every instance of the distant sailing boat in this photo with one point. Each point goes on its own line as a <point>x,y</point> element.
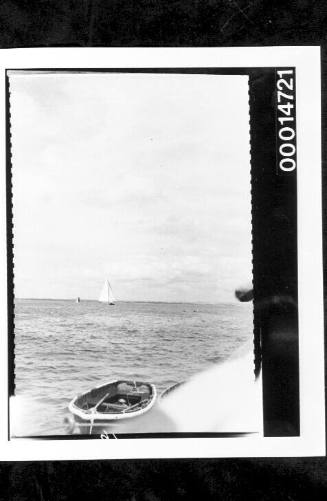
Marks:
<point>78,300</point>
<point>106,295</point>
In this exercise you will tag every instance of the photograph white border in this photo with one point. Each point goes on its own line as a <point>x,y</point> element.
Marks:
<point>311,441</point>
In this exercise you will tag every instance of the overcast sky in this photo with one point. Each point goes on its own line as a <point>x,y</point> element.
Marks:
<point>141,179</point>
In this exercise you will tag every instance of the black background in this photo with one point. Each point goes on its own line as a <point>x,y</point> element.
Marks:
<point>132,23</point>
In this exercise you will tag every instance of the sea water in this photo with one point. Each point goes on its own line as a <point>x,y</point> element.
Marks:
<point>63,348</point>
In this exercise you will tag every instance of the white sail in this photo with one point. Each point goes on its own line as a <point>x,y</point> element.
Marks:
<point>106,295</point>
<point>111,298</point>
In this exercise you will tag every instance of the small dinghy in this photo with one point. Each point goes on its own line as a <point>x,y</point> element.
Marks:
<point>105,404</point>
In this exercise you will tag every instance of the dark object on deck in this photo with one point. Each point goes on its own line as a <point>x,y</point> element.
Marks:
<point>244,294</point>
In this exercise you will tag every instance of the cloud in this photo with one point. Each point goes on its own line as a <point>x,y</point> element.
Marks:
<point>145,179</point>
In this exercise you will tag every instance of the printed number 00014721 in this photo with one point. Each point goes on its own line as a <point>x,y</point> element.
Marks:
<point>286,120</point>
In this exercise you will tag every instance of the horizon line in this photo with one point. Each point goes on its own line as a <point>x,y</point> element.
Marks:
<point>125,300</point>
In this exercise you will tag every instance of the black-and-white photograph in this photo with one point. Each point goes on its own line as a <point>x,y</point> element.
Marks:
<point>163,293</point>
<point>132,248</point>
